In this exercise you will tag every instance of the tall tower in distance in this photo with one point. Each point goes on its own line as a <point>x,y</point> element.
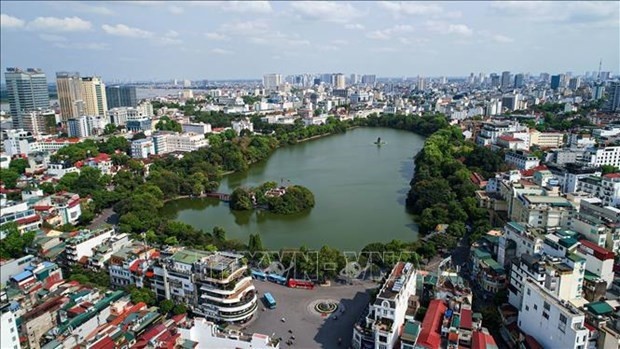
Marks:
<point>27,91</point>
<point>272,81</point>
<point>94,96</point>
<point>69,86</point>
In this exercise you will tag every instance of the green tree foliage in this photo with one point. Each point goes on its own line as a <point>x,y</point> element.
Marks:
<point>167,124</point>
<point>166,306</point>
<point>144,295</point>
<point>179,309</point>
<point>296,199</point>
<point>256,243</point>
<point>113,144</point>
<point>241,200</point>
<point>109,129</point>
<point>607,169</point>
<point>92,278</point>
<point>14,244</point>
<point>19,165</point>
<point>9,178</point>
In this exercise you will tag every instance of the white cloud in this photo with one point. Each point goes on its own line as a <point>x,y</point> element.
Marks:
<point>126,31</point>
<point>221,51</point>
<point>88,46</point>
<point>170,38</point>
<point>245,28</point>
<point>354,26</point>
<point>328,47</point>
<point>339,42</point>
<point>501,38</point>
<point>215,36</point>
<point>402,8</point>
<point>52,38</point>
<point>175,10</point>
<point>67,24</point>
<point>571,13</point>
<point>388,33</point>
<point>447,28</point>
<point>7,21</point>
<point>256,7</point>
<point>88,8</point>
<point>326,11</point>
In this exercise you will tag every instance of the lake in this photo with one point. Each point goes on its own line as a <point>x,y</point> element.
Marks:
<point>359,188</point>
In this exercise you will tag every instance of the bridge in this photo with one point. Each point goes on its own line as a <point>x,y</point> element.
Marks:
<point>221,196</point>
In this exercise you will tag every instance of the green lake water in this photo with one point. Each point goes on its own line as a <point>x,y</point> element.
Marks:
<point>359,189</point>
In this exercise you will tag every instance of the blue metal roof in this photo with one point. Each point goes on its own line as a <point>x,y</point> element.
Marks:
<point>22,276</point>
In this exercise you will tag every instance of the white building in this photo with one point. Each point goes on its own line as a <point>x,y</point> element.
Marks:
<point>66,204</point>
<point>142,148</point>
<point>606,188</point>
<point>198,128</point>
<point>541,211</point>
<point>491,130</point>
<point>599,261</point>
<point>604,156</point>
<point>552,322</point>
<point>272,81</point>
<point>243,124</point>
<point>36,122</point>
<point>17,142</point>
<point>215,285</point>
<point>382,324</point>
<point>12,267</point>
<point>9,337</point>
<point>208,335</point>
<point>185,142</point>
<point>84,243</point>
<point>521,160</point>
<point>517,240</point>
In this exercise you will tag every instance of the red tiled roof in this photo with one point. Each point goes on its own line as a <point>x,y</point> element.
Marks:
<point>532,343</point>
<point>105,343</point>
<point>28,220</point>
<point>599,252</point>
<point>466,321</point>
<point>482,340</point>
<point>135,265</point>
<point>531,171</point>
<point>133,309</point>
<point>510,139</point>
<point>429,336</point>
<point>612,175</point>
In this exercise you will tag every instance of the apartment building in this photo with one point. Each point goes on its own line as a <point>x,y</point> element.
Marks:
<point>606,188</point>
<point>599,261</point>
<point>215,285</point>
<point>521,160</point>
<point>380,327</point>
<point>9,338</point>
<point>244,124</point>
<point>546,139</point>
<point>84,243</point>
<point>206,334</point>
<point>199,128</point>
<point>66,204</point>
<point>142,148</point>
<point>609,155</point>
<point>490,131</point>
<point>554,323</point>
<point>542,210</point>
<point>518,239</point>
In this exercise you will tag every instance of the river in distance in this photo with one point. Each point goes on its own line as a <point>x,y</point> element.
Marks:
<point>359,189</point>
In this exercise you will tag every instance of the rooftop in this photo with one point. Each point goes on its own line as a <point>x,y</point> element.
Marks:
<point>599,308</point>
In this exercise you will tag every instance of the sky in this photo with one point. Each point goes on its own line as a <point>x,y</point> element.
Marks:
<point>157,40</point>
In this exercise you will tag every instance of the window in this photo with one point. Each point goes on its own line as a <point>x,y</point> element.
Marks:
<point>528,293</point>
<point>535,307</point>
<point>545,315</point>
<point>547,306</point>
<point>383,339</point>
<point>527,308</point>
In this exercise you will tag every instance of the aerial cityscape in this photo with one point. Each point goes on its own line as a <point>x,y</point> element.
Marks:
<point>309,174</point>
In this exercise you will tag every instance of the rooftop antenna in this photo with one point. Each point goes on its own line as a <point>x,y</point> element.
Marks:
<point>600,65</point>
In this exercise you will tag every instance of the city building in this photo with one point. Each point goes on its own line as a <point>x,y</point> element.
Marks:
<point>142,148</point>
<point>94,96</point>
<point>606,188</point>
<point>66,204</point>
<point>554,323</point>
<point>26,91</point>
<point>272,81</point>
<point>604,155</point>
<point>121,96</point>
<point>39,122</point>
<point>69,88</point>
<point>599,261</point>
<point>205,334</point>
<point>139,125</point>
<point>521,160</point>
<point>215,285</point>
<point>18,141</point>
<point>198,128</point>
<point>396,302</point>
<point>613,98</point>
<point>84,244</point>
<point>557,81</point>
<point>243,124</point>
<point>9,337</point>
<point>506,79</point>
<point>12,267</point>
<point>541,211</point>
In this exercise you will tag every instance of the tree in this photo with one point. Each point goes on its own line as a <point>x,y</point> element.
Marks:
<point>144,295</point>
<point>9,178</point>
<point>171,240</point>
<point>179,309</point>
<point>19,165</point>
<point>47,188</point>
<point>240,200</point>
<point>167,124</point>
<point>607,169</point>
<point>109,129</point>
<point>14,243</point>
<point>219,234</point>
<point>255,244</point>
<point>166,306</point>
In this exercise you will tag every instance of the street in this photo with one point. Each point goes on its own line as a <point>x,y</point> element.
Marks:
<point>107,216</point>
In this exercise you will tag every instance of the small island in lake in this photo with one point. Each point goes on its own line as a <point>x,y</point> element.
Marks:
<point>270,196</point>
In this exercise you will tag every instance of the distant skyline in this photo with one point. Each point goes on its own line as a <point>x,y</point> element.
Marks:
<point>157,40</point>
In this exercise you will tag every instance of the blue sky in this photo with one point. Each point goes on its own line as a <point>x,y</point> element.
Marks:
<point>224,40</point>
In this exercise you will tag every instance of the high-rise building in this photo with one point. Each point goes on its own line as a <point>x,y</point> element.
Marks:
<point>369,79</point>
<point>557,81</point>
<point>272,81</point>
<point>613,100</point>
<point>574,83</point>
<point>355,79</point>
<point>519,80</point>
<point>78,127</point>
<point>598,90</point>
<point>8,328</point>
<point>69,87</point>
<point>506,80</point>
<point>338,82</point>
<point>27,91</point>
<point>121,96</point>
<point>94,96</point>
<point>495,80</point>
<point>421,84</point>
